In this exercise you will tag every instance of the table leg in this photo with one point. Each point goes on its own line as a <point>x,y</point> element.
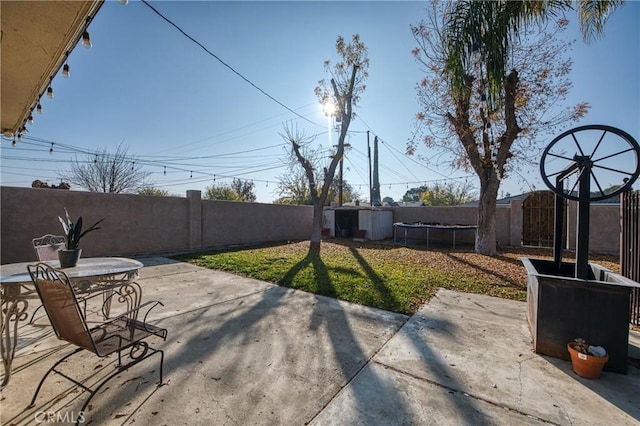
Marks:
<point>13,311</point>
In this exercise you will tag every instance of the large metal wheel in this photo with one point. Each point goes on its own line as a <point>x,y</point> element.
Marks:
<point>613,154</point>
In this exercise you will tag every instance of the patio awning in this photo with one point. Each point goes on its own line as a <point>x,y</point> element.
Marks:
<point>36,39</point>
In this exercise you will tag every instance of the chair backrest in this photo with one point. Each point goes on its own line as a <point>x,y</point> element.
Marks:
<point>47,246</point>
<point>59,300</point>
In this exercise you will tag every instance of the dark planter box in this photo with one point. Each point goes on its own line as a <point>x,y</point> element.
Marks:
<point>561,308</point>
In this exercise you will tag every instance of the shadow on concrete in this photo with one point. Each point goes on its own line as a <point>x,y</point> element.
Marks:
<point>444,372</point>
<point>349,354</point>
<point>618,389</point>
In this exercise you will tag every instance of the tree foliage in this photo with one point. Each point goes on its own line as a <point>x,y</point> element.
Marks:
<point>491,136</point>
<point>495,26</point>
<point>237,190</point>
<point>441,194</point>
<point>156,192</point>
<point>115,172</point>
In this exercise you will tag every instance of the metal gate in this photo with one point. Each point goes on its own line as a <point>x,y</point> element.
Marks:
<point>537,219</point>
<point>630,247</point>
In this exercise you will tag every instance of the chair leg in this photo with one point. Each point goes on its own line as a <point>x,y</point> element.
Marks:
<point>33,316</point>
<point>35,395</point>
<point>118,371</point>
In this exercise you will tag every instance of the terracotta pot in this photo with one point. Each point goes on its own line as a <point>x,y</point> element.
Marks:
<point>585,365</point>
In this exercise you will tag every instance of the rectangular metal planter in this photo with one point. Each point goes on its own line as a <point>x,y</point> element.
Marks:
<point>561,308</point>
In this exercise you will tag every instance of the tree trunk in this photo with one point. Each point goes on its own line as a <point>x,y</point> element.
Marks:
<point>486,233</point>
<point>316,229</point>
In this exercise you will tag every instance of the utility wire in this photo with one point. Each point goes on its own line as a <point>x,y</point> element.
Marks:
<point>227,65</point>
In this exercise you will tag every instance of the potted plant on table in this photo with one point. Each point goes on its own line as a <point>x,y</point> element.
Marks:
<point>73,232</point>
<point>587,360</point>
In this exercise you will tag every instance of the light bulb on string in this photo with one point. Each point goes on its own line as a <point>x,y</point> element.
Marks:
<point>86,39</point>
<point>39,108</point>
<point>51,149</point>
<point>50,92</point>
<point>14,142</point>
<point>165,170</point>
<point>66,71</point>
<point>191,175</point>
<point>133,163</point>
<point>20,135</point>
<point>30,119</point>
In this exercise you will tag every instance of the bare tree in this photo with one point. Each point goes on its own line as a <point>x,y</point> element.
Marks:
<point>492,136</point>
<point>343,91</point>
<point>105,172</point>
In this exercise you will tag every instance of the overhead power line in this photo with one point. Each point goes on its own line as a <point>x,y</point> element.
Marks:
<point>226,65</point>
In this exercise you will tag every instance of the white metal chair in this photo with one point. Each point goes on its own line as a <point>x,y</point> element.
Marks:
<point>47,246</point>
<point>122,334</point>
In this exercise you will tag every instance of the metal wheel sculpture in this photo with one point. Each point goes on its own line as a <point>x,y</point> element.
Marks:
<point>605,162</point>
<point>610,157</point>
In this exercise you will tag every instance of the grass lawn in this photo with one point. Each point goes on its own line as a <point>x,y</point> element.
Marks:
<point>382,275</point>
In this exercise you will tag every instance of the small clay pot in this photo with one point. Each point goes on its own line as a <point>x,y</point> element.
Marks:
<point>585,365</point>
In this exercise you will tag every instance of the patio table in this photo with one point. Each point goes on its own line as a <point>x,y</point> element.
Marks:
<point>90,275</point>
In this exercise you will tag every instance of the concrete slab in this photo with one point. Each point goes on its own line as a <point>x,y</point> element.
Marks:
<point>239,351</point>
<point>470,359</point>
<point>242,351</point>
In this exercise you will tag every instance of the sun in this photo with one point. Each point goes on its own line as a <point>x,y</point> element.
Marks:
<point>328,108</point>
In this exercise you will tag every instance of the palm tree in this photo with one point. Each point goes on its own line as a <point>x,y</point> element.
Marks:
<point>488,28</point>
<point>482,33</point>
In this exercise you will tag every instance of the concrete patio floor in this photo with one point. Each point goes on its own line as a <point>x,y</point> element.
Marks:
<point>246,352</point>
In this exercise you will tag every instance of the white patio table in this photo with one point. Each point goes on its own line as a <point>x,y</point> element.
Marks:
<point>90,275</point>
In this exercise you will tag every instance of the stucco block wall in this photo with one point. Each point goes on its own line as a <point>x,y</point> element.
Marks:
<point>232,222</point>
<point>604,227</point>
<point>136,224</point>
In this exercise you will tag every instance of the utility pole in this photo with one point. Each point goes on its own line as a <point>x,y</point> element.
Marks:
<point>370,184</point>
<point>346,145</point>
<point>376,176</point>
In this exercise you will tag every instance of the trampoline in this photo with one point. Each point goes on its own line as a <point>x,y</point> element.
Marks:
<point>427,227</point>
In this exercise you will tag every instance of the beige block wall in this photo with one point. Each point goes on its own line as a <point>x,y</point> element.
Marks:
<point>604,227</point>
<point>138,224</point>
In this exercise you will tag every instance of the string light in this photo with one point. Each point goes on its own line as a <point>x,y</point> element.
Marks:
<point>86,39</point>
<point>66,71</point>
<point>14,142</point>
<point>50,92</point>
<point>191,174</point>
<point>165,170</point>
<point>30,119</point>
<point>51,149</point>
<point>133,163</point>
<point>39,108</point>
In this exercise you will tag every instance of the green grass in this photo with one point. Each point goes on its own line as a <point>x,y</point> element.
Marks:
<point>384,276</point>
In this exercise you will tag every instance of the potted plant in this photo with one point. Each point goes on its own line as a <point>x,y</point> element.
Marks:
<point>587,360</point>
<point>73,232</point>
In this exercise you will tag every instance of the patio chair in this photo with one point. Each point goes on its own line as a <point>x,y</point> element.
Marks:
<point>47,246</point>
<point>122,334</point>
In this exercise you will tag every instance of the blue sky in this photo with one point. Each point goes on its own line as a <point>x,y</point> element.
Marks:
<point>145,85</point>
